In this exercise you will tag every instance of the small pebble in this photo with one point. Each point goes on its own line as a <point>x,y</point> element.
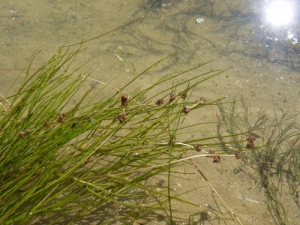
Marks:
<point>199,20</point>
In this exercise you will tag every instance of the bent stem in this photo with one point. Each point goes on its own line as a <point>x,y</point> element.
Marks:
<point>215,191</point>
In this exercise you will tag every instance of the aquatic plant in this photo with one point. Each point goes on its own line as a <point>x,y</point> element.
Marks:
<point>274,165</point>
<point>68,155</point>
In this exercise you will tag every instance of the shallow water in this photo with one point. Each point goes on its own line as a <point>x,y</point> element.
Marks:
<point>263,57</point>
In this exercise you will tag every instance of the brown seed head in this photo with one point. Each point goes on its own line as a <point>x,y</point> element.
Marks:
<point>172,97</point>
<point>238,155</point>
<point>216,159</point>
<point>121,117</point>
<point>21,134</point>
<point>250,144</point>
<point>186,110</point>
<point>197,148</point>
<point>62,117</point>
<point>124,100</point>
<point>159,102</point>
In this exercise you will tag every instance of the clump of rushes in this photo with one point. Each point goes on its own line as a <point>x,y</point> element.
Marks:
<point>61,164</point>
<point>275,163</point>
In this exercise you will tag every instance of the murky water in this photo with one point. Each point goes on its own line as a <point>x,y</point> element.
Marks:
<point>264,57</point>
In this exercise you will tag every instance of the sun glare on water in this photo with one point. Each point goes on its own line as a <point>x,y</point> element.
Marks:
<point>280,13</point>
